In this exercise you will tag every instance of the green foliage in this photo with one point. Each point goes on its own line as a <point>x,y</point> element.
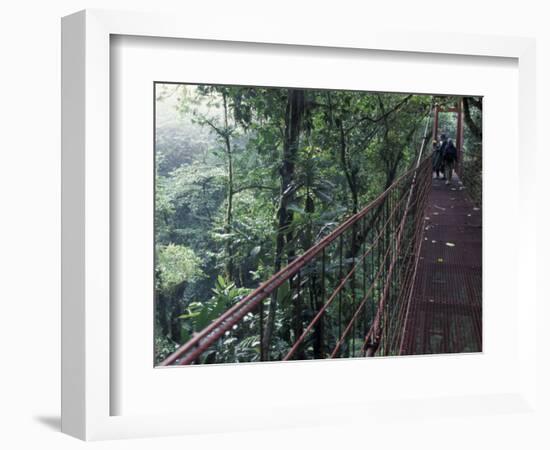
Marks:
<point>200,314</point>
<point>176,264</point>
<point>163,346</point>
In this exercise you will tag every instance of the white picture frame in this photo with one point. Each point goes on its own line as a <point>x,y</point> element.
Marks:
<point>87,386</point>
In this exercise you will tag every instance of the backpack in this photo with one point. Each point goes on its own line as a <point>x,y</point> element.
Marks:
<point>449,151</point>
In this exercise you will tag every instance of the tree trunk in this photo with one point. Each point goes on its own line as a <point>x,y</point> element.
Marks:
<point>346,167</point>
<point>230,194</point>
<point>476,131</point>
<point>293,119</point>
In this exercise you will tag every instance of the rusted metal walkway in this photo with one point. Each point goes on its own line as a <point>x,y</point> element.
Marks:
<point>445,307</point>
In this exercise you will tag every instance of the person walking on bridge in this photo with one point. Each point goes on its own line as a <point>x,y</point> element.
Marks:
<point>449,156</point>
<point>437,157</point>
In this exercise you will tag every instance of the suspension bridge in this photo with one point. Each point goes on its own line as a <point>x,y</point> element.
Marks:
<point>400,277</point>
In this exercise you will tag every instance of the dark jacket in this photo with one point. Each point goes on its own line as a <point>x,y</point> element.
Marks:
<point>437,157</point>
<point>449,152</point>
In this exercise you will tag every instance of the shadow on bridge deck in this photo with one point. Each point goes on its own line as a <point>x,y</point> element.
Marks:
<point>446,308</point>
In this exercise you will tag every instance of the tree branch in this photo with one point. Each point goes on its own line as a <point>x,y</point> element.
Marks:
<point>384,115</point>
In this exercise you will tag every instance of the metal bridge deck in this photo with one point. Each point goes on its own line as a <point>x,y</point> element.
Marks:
<point>446,307</point>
